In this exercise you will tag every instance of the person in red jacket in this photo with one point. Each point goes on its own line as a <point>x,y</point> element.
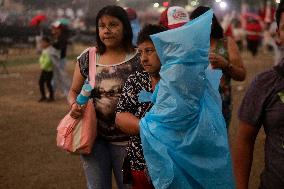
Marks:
<point>254,36</point>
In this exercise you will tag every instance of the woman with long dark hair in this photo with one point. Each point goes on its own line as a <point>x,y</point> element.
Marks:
<point>116,59</point>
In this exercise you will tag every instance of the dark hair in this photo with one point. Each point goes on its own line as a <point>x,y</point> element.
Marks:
<point>279,11</point>
<point>147,30</point>
<point>119,13</point>
<point>46,39</point>
<point>217,31</point>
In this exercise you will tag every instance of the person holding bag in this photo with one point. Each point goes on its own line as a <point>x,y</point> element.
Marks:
<point>77,135</point>
<point>116,59</point>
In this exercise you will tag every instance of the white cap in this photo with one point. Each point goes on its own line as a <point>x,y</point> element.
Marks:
<point>177,16</point>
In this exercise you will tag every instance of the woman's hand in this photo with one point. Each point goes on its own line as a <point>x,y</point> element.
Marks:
<point>217,61</point>
<point>77,83</point>
<point>76,110</point>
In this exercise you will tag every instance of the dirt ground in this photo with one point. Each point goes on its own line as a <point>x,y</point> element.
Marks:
<point>29,157</point>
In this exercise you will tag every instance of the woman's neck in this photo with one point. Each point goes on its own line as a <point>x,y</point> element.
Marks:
<point>113,56</point>
<point>116,50</point>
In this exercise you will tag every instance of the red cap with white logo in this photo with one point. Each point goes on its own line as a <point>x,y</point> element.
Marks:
<point>174,17</point>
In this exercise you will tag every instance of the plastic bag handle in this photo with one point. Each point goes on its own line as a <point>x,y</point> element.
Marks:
<point>92,66</point>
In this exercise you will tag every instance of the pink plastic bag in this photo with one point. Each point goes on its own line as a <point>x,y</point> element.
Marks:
<point>78,135</point>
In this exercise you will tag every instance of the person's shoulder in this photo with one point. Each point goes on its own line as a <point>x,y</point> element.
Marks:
<point>266,74</point>
<point>133,56</point>
<point>134,60</point>
<point>142,74</point>
<point>53,51</point>
<point>265,79</point>
<point>84,53</point>
<point>137,75</point>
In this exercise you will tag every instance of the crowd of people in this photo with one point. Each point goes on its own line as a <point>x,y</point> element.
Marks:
<point>127,63</point>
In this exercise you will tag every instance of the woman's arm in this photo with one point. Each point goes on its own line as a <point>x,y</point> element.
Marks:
<point>235,67</point>
<point>127,123</point>
<point>77,83</point>
<point>243,153</point>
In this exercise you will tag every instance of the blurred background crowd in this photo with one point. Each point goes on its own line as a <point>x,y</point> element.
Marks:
<point>251,23</point>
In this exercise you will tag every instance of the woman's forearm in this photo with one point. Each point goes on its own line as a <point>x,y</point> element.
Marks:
<point>76,86</point>
<point>127,123</point>
<point>235,67</point>
<point>72,95</point>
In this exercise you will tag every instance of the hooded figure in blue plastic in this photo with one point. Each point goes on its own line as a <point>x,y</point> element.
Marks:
<point>184,136</point>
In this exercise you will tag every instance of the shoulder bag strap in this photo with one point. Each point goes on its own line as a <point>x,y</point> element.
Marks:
<point>92,66</point>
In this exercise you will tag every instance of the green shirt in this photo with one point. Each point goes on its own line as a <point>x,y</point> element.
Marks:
<point>45,61</point>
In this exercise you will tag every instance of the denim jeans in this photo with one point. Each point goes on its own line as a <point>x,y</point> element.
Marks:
<point>98,166</point>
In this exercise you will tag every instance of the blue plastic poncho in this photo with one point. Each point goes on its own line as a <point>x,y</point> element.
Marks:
<point>184,136</point>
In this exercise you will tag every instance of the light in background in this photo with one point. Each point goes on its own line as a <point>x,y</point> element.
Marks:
<point>194,3</point>
<point>223,5</point>
<point>156,5</point>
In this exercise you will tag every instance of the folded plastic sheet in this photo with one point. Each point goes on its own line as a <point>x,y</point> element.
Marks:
<point>184,136</point>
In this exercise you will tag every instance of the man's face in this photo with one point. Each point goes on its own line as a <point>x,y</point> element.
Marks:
<point>149,58</point>
<point>280,30</point>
